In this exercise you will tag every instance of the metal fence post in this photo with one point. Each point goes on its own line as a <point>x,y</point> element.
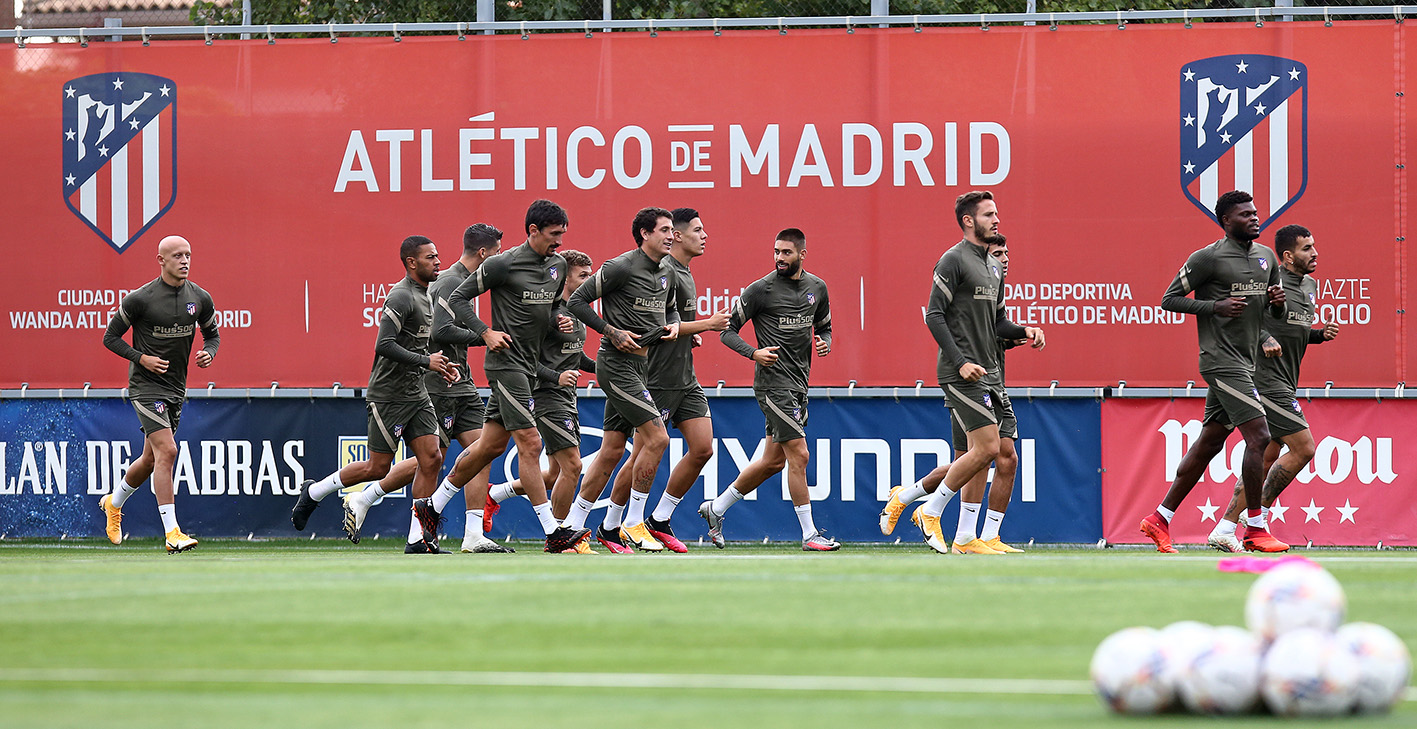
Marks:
<point>881,7</point>
<point>113,23</point>
<point>606,11</point>
<point>1031,7</point>
<point>486,13</point>
<point>245,17</point>
<point>1285,4</point>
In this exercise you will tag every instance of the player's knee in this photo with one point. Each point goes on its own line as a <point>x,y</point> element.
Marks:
<point>377,471</point>
<point>700,453</point>
<point>1304,451</point>
<point>165,453</point>
<point>571,463</point>
<point>432,462</point>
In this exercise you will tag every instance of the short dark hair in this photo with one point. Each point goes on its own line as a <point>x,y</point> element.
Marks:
<point>684,216</point>
<point>544,214</point>
<point>409,248</point>
<point>479,236</point>
<point>967,203</point>
<point>998,240</point>
<point>576,258</point>
<point>794,236</point>
<point>1229,201</point>
<point>1287,238</point>
<point>645,220</point>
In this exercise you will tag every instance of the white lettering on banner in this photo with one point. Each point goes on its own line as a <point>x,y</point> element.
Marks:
<point>710,302</point>
<point>859,161</point>
<point>231,467</point>
<point>1335,460</point>
<point>99,318</point>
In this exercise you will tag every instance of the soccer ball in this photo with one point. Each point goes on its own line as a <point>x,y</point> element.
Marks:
<point>1224,675</point>
<point>1384,665</point>
<point>1126,671</point>
<point>1294,596</point>
<point>1308,672</point>
<point>1182,642</point>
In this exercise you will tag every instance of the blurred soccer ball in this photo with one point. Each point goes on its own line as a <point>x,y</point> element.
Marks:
<point>1224,675</point>
<point>1127,672</point>
<point>1293,596</point>
<point>1182,642</point>
<point>1308,672</point>
<point>1384,665</point>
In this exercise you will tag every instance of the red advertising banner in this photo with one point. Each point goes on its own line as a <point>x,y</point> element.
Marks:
<point>1356,491</point>
<point>296,168</point>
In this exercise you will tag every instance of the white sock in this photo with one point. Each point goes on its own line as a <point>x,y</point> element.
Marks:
<point>612,517</point>
<point>804,518</point>
<point>168,512</point>
<point>992,521</point>
<point>1256,521</point>
<point>543,515</point>
<point>373,493</point>
<point>910,493</point>
<point>501,492</point>
<point>325,486</point>
<point>1165,513</point>
<point>966,531</point>
<point>664,510</point>
<point>122,493</point>
<point>445,493</point>
<point>473,528</point>
<point>1226,527</point>
<point>935,505</point>
<point>580,511</point>
<point>635,512</point>
<point>725,500</point>
<point>1265,511</point>
<point>415,530</point>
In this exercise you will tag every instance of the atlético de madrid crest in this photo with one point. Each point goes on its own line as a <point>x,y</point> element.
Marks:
<point>1244,126</point>
<point>120,152</point>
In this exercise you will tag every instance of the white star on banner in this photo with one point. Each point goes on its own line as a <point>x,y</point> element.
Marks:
<point>1225,137</point>
<point>1208,510</point>
<point>103,150</point>
<point>1259,109</point>
<point>1294,74</point>
<point>133,123</point>
<point>1346,512</point>
<point>70,179</point>
<point>164,89</point>
<point>1190,120</point>
<point>1190,75</point>
<point>118,84</point>
<point>1190,168</point>
<point>1276,512</point>
<point>69,135</point>
<point>68,92</point>
<point>1311,512</point>
<point>1241,66</point>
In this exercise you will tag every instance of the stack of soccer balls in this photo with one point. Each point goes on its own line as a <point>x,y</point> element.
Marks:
<point>1295,659</point>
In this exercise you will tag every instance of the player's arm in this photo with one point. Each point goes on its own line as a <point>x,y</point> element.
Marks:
<point>1275,293</point>
<point>1007,330</point>
<point>822,325</point>
<point>391,318</point>
<point>211,336</point>
<point>610,277</point>
<point>1327,332</point>
<point>743,312</point>
<point>446,328</point>
<point>1269,346</point>
<point>1196,271</point>
<point>492,273</point>
<point>672,323</point>
<point>587,364</point>
<point>128,310</point>
<point>942,293</point>
<point>546,374</point>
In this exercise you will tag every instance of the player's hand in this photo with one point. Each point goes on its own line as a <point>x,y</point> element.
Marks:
<point>767,356</point>
<point>569,377</point>
<point>823,346</point>
<point>671,332</point>
<point>1271,348</point>
<point>1229,307</point>
<point>1035,336</point>
<point>1276,295</point>
<point>153,364</point>
<point>438,362</point>
<point>698,341</point>
<point>204,358</point>
<point>565,324</point>
<point>496,340</point>
<point>622,340</point>
<point>1330,331</point>
<point>971,372</point>
<point>718,322</point>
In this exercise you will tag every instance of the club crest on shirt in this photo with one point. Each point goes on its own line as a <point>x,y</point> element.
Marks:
<point>1264,263</point>
<point>1311,297</point>
<point>664,414</point>
<point>447,421</point>
<point>398,431</point>
<point>663,282</point>
<point>995,269</point>
<point>159,407</point>
<point>988,401</point>
<point>811,297</point>
<point>191,307</point>
<point>552,271</point>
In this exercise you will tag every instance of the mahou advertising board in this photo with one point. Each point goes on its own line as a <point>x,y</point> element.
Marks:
<point>1357,491</point>
<point>296,168</point>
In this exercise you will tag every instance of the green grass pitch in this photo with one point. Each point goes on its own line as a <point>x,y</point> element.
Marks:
<point>309,634</point>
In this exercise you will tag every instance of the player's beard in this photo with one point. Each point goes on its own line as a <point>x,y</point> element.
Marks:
<point>993,239</point>
<point>790,271</point>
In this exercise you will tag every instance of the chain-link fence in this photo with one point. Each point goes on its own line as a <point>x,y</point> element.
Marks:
<point>37,14</point>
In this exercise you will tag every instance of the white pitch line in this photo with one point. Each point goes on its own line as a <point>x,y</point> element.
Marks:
<point>556,680</point>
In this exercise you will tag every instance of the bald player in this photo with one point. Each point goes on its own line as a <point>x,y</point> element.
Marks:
<point>164,315</point>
